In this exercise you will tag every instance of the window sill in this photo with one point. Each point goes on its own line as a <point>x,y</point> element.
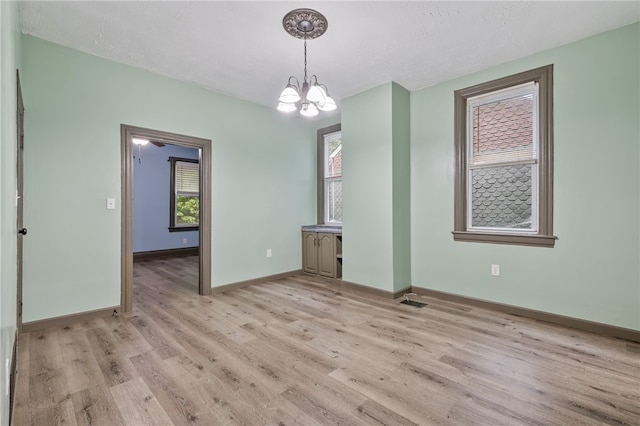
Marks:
<point>513,239</point>
<point>183,228</point>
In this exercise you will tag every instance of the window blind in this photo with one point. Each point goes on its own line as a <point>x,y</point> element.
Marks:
<point>503,127</point>
<point>187,178</point>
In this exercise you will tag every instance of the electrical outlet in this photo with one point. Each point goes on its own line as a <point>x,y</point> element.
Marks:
<point>268,252</point>
<point>495,270</point>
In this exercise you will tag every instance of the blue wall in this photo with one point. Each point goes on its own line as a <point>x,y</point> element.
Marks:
<point>151,182</point>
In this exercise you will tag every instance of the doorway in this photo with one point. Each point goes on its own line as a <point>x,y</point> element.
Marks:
<point>204,253</point>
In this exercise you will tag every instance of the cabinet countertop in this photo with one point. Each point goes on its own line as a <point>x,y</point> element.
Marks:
<point>323,228</point>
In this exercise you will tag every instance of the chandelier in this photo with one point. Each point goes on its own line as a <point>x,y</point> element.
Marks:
<point>306,24</point>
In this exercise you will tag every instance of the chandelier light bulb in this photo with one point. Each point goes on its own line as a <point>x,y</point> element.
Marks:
<point>308,110</point>
<point>316,94</point>
<point>287,107</point>
<point>289,95</point>
<point>328,105</point>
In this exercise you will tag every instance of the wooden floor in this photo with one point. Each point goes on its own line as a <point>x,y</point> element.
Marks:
<point>296,351</point>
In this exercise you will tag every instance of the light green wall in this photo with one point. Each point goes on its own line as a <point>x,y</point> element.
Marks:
<point>401,187</point>
<point>375,159</point>
<point>263,175</point>
<point>10,61</point>
<point>264,183</point>
<point>367,189</point>
<point>593,271</point>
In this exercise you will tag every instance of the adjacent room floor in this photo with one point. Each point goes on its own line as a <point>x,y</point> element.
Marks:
<point>297,351</point>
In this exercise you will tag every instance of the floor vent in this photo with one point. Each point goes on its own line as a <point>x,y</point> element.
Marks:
<point>414,303</point>
<point>409,302</point>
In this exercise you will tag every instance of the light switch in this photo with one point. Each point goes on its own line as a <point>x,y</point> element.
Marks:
<point>111,203</point>
<point>7,377</point>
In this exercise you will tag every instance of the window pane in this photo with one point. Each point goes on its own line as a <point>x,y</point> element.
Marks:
<point>503,130</point>
<point>333,152</point>
<point>187,177</point>
<point>501,197</point>
<point>334,201</point>
<point>187,210</point>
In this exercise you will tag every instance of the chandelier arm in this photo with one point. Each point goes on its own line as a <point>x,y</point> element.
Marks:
<point>326,89</point>
<point>296,79</point>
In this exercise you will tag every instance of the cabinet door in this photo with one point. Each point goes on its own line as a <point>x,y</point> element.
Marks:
<point>309,252</point>
<point>326,255</point>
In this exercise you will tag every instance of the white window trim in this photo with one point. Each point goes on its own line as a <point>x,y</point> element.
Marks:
<point>328,180</point>
<point>530,88</point>
<point>322,168</point>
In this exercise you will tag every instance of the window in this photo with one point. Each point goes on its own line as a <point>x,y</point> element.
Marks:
<point>330,175</point>
<point>185,194</point>
<point>504,151</point>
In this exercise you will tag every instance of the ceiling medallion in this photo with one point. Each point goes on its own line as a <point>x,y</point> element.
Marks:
<point>305,23</point>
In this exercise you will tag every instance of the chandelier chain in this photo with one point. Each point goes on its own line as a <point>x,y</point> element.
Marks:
<point>305,59</point>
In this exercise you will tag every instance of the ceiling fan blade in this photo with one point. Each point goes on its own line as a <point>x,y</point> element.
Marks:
<point>158,144</point>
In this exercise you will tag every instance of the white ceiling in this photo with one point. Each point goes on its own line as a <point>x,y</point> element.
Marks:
<point>239,48</point>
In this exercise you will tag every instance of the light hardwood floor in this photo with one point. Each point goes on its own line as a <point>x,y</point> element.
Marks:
<point>296,351</point>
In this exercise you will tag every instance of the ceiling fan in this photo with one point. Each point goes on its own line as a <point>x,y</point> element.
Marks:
<point>142,141</point>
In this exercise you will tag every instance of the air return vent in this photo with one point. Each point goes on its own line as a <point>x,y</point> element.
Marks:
<point>410,302</point>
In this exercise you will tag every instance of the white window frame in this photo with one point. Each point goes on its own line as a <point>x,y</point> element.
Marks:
<point>329,180</point>
<point>530,88</point>
<point>322,168</point>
